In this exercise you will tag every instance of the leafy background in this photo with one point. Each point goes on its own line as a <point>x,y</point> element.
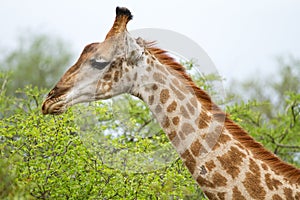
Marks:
<point>100,151</point>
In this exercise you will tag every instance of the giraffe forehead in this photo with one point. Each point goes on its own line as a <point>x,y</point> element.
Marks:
<point>90,48</point>
<point>106,49</point>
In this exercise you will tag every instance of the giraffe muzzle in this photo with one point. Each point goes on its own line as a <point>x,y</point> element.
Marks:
<point>53,106</point>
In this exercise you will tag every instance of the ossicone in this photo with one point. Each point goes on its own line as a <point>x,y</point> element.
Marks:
<point>123,16</point>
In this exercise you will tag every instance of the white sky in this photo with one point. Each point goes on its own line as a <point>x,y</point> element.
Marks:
<point>243,38</point>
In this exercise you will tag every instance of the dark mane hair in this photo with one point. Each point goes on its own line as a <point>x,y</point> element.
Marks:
<point>291,173</point>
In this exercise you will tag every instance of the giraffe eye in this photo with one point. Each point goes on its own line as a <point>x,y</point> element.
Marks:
<point>99,63</point>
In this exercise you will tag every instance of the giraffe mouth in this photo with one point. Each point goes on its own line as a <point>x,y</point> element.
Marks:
<point>55,106</point>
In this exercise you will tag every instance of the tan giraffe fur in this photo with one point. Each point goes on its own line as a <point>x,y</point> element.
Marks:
<point>224,160</point>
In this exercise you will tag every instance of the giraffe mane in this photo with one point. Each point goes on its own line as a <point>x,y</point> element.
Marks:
<point>291,173</point>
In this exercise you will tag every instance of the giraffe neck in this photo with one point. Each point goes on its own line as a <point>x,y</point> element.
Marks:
<point>222,165</point>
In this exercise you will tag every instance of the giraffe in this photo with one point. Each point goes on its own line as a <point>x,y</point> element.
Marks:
<point>223,159</point>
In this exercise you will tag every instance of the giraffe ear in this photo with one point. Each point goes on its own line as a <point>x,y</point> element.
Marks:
<point>123,16</point>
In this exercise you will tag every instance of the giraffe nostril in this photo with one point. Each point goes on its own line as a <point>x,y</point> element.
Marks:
<point>44,109</point>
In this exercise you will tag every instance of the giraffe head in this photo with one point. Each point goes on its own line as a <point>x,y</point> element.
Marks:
<point>99,71</point>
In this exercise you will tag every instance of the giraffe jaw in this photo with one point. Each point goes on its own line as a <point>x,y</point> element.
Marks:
<point>58,105</point>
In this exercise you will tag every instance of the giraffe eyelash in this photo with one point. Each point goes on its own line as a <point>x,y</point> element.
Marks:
<point>99,63</point>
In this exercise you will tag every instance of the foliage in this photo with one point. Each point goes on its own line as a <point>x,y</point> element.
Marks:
<point>272,111</point>
<point>76,156</point>
<point>270,90</point>
<point>103,151</point>
<point>50,158</point>
<point>38,60</point>
<point>280,135</point>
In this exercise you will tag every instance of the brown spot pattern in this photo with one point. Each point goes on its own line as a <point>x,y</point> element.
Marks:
<point>237,195</point>
<point>160,68</point>
<point>194,101</point>
<point>276,197</point>
<point>158,109</point>
<point>288,193</point>
<point>182,135</point>
<point>172,135</point>
<point>221,195</point>
<point>201,124</point>
<point>203,120</point>
<point>184,112</point>
<point>272,184</point>
<point>109,86</point>
<point>210,195</point>
<point>179,95</point>
<point>195,148</point>
<point>219,116</point>
<point>264,166</point>
<point>210,165</point>
<point>176,141</point>
<point>224,138</point>
<point>116,76</point>
<point>231,161</point>
<point>190,108</point>
<point>154,87</point>
<point>172,106</point>
<point>166,122</point>
<point>175,82</point>
<point>253,167</point>
<point>205,183</point>
<point>187,128</point>
<point>212,139</point>
<point>164,96</point>
<point>175,120</point>
<point>159,78</point>
<point>189,161</point>
<point>237,132</point>
<point>107,77</point>
<point>150,99</point>
<point>219,180</point>
<point>239,145</point>
<point>253,186</point>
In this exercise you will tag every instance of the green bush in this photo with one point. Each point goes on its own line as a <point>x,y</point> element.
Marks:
<point>99,151</point>
<point>49,157</point>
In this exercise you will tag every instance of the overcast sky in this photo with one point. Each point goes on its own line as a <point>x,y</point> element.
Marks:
<point>243,38</point>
